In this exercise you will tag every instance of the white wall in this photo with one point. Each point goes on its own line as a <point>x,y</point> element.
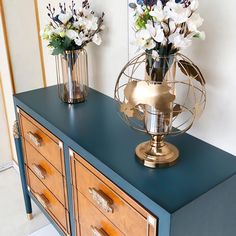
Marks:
<point>5,148</point>
<point>216,58</point>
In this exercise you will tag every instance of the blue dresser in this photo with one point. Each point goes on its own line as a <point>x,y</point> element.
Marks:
<point>196,197</point>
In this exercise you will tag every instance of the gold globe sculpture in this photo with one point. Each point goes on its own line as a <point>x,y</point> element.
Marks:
<point>160,96</point>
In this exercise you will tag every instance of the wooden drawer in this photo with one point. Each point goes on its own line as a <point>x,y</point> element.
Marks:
<point>93,222</point>
<point>119,208</point>
<point>42,140</point>
<point>46,172</point>
<point>48,201</point>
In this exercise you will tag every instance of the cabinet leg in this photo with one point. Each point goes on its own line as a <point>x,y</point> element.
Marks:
<point>20,156</point>
<point>29,216</point>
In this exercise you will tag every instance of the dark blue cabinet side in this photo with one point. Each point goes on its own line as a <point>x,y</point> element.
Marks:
<point>95,131</point>
<point>20,157</point>
<point>212,214</point>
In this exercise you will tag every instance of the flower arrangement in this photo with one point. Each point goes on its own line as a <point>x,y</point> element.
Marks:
<point>71,28</point>
<point>163,27</point>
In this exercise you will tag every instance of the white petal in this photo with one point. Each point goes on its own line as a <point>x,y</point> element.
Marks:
<point>64,18</point>
<point>194,5</point>
<point>78,41</point>
<point>71,34</point>
<point>150,44</point>
<point>194,22</point>
<point>97,39</point>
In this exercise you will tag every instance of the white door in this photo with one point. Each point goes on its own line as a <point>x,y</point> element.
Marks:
<point>5,148</point>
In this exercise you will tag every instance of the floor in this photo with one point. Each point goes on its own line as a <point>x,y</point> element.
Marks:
<point>46,231</point>
<point>13,220</point>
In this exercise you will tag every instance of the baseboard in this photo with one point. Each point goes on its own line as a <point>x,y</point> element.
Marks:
<point>6,166</point>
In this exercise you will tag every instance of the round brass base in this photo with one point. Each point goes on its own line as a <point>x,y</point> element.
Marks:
<point>162,155</point>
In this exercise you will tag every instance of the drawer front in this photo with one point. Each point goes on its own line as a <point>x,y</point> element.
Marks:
<point>116,209</point>
<point>48,201</point>
<point>93,222</point>
<point>43,142</point>
<point>48,174</point>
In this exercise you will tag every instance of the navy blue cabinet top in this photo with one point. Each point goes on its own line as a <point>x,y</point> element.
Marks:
<point>95,130</point>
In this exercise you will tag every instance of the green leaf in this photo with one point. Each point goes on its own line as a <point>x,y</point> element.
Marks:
<point>56,43</point>
<point>67,43</point>
<point>57,51</point>
<point>192,70</point>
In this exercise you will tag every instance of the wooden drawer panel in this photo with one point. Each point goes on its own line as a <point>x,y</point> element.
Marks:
<point>48,201</point>
<point>43,141</point>
<point>91,219</point>
<point>111,204</point>
<point>45,171</point>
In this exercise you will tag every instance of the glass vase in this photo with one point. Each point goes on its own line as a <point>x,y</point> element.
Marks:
<point>160,72</point>
<point>72,76</point>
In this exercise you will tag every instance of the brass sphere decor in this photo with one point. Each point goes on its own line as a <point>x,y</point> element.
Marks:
<point>160,96</point>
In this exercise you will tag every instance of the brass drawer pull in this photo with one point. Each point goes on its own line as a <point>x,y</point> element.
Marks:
<point>98,232</point>
<point>102,200</point>
<point>39,171</point>
<point>42,200</point>
<point>35,139</point>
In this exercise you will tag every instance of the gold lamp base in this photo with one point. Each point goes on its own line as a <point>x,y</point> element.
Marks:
<point>157,153</point>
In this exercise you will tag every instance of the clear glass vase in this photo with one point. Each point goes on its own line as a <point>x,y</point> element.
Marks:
<point>72,76</point>
<point>160,72</point>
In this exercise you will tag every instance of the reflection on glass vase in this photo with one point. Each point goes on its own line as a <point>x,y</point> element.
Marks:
<point>72,76</point>
<point>159,72</point>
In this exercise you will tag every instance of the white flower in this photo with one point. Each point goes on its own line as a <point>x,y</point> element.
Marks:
<point>177,12</point>
<point>179,40</point>
<point>172,26</point>
<point>64,18</point>
<point>144,40</point>
<point>80,22</point>
<point>91,23</point>
<point>97,39</point>
<point>156,32</point>
<point>142,36</point>
<point>47,32</point>
<point>58,30</point>
<point>194,5</point>
<point>150,44</point>
<point>71,34</point>
<point>194,22</point>
<point>158,12</point>
<point>78,41</point>
<point>84,11</point>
